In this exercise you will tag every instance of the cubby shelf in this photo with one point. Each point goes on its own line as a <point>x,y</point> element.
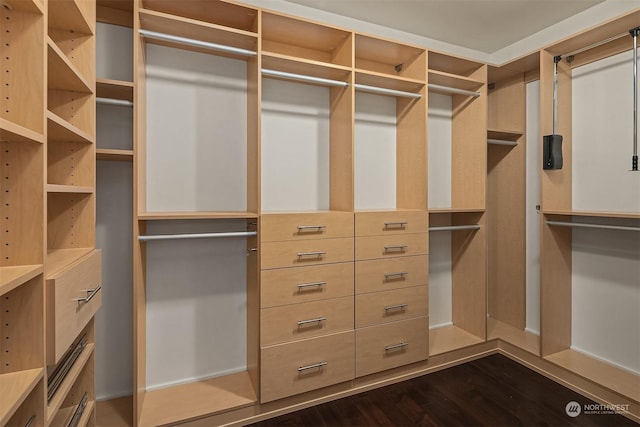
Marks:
<point>371,78</point>
<point>58,129</point>
<point>59,188</point>
<point>10,131</point>
<point>15,387</point>
<point>14,276</point>
<point>504,134</point>
<point>453,80</point>
<point>68,15</point>
<point>58,259</point>
<point>151,216</point>
<point>114,89</point>
<point>62,74</point>
<point>114,155</point>
<point>31,6</point>
<point>448,338</point>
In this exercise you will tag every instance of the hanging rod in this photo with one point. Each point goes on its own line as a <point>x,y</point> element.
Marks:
<point>193,42</point>
<point>453,90</point>
<point>303,78</point>
<point>151,237</point>
<point>385,91</point>
<point>455,227</point>
<point>601,226</point>
<point>635,32</point>
<point>501,142</point>
<point>116,102</point>
<point>568,55</point>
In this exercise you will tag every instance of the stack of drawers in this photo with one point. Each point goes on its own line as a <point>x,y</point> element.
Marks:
<point>391,286</point>
<point>307,302</point>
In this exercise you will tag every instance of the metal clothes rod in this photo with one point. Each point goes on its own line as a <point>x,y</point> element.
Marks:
<point>600,226</point>
<point>455,227</point>
<point>116,102</point>
<point>453,90</point>
<point>634,158</point>
<point>501,142</point>
<point>593,45</point>
<point>303,78</point>
<point>197,43</point>
<point>385,91</point>
<point>148,238</point>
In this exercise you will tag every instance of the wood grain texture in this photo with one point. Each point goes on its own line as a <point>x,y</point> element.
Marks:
<point>113,15</point>
<point>517,337</point>
<point>383,55</point>
<point>394,245</point>
<point>70,220</point>
<point>450,338</point>
<point>78,109</point>
<point>71,163</point>
<point>382,275</point>
<point>374,223</point>
<point>306,252</point>
<point>284,226</point>
<point>390,306</point>
<point>23,398</point>
<point>341,148</point>
<point>254,147</point>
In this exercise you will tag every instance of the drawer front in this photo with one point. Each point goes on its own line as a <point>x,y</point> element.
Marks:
<point>303,226</point>
<point>392,222</point>
<point>391,345</point>
<point>392,246</point>
<point>306,320</point>
<point>390,306</point>
<point>392,273</point>
<point>294,368</point>
<point>306,252</point>
<point>70,304</point>
<point>305,284</point>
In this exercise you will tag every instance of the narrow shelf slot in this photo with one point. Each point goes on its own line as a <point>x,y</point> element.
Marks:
<point>114,155</point>
<point>12,277</point>
<point>60,259</point>
<point>58,188</point>
<point>62,74</point>
<point>15,387</point>
<point>151,216</point>
<point>114,89</point>
<point>449,338</point>
<point>10,131</point>
<point>58,129</point>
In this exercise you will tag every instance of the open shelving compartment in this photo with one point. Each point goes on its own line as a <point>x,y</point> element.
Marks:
<point>196,81</point>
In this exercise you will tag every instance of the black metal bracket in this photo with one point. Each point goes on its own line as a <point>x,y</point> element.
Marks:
<point>398,68</point>
<point>635,32</point>
<point>557,59</point>
<point>491,86</point>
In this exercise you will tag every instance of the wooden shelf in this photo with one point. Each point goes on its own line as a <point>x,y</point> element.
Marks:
<point>58,259</point>
<point>63,416</point>
<point>151,216</point>
<point>447,64</point>
<point>68,15</point>
<point>616,379</point>
<point>115,412</point>
<point>10,131</point>
<point>594,214</point>
<point>115,12</point>
<point>518,337</point>
<point>371,78</point>
<point>68,382</point>
<point>15,387</point>
<point>453,80</point>
<point>384,56</point>
<point>453,210</point>
<point>12,277</point>
<point>58,129</point>
<point>449,338</point>
<point>507,135</point>
<point>197,399</point>
<point>290,64</point>
<point>62,74</point>
<point>30,6</point>
<point>114,155</point>
<point>58,188</point>
<point>114,89</point>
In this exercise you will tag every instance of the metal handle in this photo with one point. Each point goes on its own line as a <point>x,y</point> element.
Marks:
<point>395,248</point>
<point>315,365</point>
<point>396,307</point>
<point>310,284</point>
<point>395,346</point>
<point>311,227</point>
<point>316,253</point>
<point>90,294</point>
<point>399,224</point>
<point>316,320</point>
<point>399,273</point>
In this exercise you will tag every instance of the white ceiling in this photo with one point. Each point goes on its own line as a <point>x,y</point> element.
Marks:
<point>482,25</point>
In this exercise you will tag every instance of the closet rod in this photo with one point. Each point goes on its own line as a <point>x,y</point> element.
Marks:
<point>600,226</point>
<point>116,102</point>
<point>303,78</point>
<point>455,227</point>
<point>593,45</point>
<point>197,43</point>
<point>148,238</point>
<point>385,91</point>
<point>453,90</point>
<point>501,142</point>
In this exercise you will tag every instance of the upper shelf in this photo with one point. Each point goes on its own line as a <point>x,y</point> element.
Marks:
<point>454,65</point>
<point>114,89</point>
<point>159,216</point>
<point>59,129</point>
<point>12,277</point>
<point>593,214</point>
<point>74,15</point>
<point>30,6</point>
<point>454,81</point>
<point>62,74</point>
<point>390,58</point>
<point>369,78</point>
<point>289,64</point>
<point>10,131</point>
<point>504,134</point>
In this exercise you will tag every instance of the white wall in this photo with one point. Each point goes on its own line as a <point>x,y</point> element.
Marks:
<point>439,137</point>
<point>114,52</point>
<point>440,279</point>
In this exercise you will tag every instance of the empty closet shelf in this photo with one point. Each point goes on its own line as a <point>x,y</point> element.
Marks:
<point>596,226</point>
<point>303,78</point>
<point>147,238</point>
<point>154,35</point>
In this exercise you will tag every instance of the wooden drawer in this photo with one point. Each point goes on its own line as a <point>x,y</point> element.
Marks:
<point>391,246</point>
<point>307,320</point>
<point>303,226</point>
<point>306,252</point>
<point>391,222</point>
<point>391,345</point>
<point>390,306</point>
<point>67,315</point>
<point>304,284</point>
<point>392,273</point>
<point>287,369</point>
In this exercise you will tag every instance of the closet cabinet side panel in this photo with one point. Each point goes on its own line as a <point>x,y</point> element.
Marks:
<point>411,154</point>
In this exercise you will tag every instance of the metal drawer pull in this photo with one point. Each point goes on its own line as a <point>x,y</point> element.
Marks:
<point>90,294</point>
<point>316,320</point>
<point>317,254</point>
<point>302,286</point>
<point>396,248</point>
<point>311,227</point>
<point>31,421</point>
<point>395,346</point>
<point>397,274</point>
<point>398,224</point>
<point>314,366</point>
<point>396,307</point>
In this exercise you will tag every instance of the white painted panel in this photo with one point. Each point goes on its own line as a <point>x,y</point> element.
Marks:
<point>375,147</point>
<point>533,165</point>
<point>196,303</point>
<point>439,151</point>
<point>114,127</point>
<point>114,52</point>
<point>440,279</point>
<point>114,321</point>
<point>606,296</point>
<point>295,146</point>
<point>603,136</point>
<point>196,131</point>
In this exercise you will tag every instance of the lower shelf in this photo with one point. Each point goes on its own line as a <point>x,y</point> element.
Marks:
<point>15,387</point>
<point>616,379</point>
<point>449,338</point>
<point>197,399</point>
<point>518,337</point>
<point>115,412</point>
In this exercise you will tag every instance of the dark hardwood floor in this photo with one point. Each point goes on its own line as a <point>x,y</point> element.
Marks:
<point>493,391</point>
